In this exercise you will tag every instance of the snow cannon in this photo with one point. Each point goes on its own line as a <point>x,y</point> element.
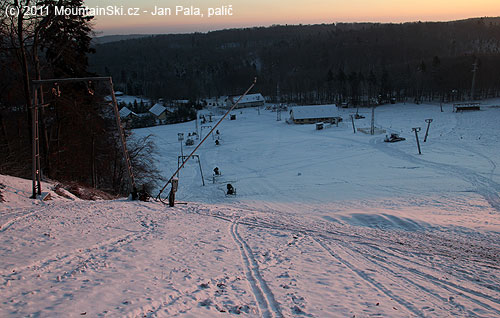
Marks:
<point>394,138</point>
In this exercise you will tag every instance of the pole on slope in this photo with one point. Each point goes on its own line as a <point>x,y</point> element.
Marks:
<point>353,127</point>
<point>196,123</point>
<point>123,141</point>
<point>205,138</point>
<point>180,138</point>
<point>372,127</point>
<point>416,130</point>
<point>36,169</point>
<point>474,73</point>
<point>428,121</point>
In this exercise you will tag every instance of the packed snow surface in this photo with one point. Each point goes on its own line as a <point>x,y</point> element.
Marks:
<point>325,223</point>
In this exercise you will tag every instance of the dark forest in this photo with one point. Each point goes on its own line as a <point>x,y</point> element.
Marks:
<point>345,62</point>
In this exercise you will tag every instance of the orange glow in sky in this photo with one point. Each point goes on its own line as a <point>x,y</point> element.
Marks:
<point>266,12</point>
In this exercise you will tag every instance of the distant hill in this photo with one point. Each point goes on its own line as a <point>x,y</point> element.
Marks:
<point>114,38</point>
<point>314,63</point>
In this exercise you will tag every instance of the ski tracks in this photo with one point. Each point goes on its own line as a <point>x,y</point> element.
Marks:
<point>268,306</point>
<point>6,225</point>
<point>485,187</point>
<point>424,280</point>
<point>67,268</point>
<point>431,293</point>
<point>18,214</point>
<point>366,277</point>
<point>84,254</point>
<point>78,256</point>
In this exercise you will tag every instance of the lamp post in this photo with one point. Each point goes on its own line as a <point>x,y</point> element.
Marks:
<point>180,137</point>
<point>196,123</point>
<point>428,121</point>
<point>416,130</point>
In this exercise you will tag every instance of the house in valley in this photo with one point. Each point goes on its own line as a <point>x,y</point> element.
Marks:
<point>315,114</point>
<point>127,116</point>
<point>126,113</point>
<point>160,112</point>
<point>215,102</point>
<point>250,100</point>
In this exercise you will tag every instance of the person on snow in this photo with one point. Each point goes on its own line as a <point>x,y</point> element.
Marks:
<point>230,189</point>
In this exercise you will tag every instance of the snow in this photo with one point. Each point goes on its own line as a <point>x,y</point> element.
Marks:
<point>314,111</point>
<point>181,101</point>
<point>131,99</point>
<point>324,224</point>
<point>17,191</point>
<point>127,99</point>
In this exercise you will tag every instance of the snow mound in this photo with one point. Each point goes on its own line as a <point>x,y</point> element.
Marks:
<point>384,221</point>
<point>16,193</point>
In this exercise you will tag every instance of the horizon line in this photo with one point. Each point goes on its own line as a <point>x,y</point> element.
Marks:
<point>289,25</point>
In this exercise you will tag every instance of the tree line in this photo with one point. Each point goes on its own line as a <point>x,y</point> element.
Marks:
<point>344,62</point>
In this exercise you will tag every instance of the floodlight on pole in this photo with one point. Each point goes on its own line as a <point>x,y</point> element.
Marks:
<point>428,121</point>
<point>416,130</point>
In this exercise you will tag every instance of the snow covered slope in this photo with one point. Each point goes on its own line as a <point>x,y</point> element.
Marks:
<point>335,173</point>
<point>325,224</point>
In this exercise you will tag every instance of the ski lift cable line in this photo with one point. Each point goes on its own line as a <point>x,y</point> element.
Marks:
<point>213,128</point>
<point>72,79</point>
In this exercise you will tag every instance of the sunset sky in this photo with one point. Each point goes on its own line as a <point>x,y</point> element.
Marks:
<point>266,12</point>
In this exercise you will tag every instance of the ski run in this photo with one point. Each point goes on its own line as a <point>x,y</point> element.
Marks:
<point>325,223</point>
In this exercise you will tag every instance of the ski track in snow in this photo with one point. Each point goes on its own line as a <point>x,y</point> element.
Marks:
<point>250,258</point>
<point>9,223</point>
<point>485,186</point>
<point>265,298</point>
<point>409,278</point>
<point>79,254</point>
<point>76,258</point>
<point>404,303</point>
<point>406,277</point>
<point>20,214</point>
<point>68,266</point>
<point>411,275</point>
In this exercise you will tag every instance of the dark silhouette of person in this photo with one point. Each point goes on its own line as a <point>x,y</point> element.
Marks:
<point>230,189</point>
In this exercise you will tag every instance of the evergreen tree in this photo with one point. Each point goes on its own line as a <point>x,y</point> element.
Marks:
<point>66,40</point>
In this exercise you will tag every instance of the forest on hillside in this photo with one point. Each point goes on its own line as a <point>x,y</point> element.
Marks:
<point>355,62</point>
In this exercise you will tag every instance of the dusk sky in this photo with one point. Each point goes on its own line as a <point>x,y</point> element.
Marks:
<point>266,12</point>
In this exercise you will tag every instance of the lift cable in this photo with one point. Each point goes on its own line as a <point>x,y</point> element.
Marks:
<point>158,197</point>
